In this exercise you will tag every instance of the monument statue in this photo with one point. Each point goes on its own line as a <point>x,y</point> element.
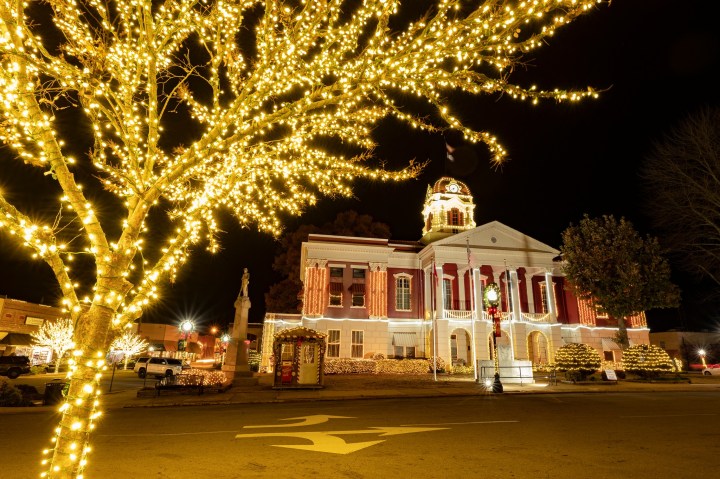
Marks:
<point>245,283</point>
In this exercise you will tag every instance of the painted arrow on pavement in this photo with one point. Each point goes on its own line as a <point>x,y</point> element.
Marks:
<point>304,421</point>
<point>326,441</point>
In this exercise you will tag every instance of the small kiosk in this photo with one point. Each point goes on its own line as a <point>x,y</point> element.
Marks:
<point>299,355</point>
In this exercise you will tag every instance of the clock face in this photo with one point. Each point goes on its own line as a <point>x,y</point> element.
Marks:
<point>453,188</point>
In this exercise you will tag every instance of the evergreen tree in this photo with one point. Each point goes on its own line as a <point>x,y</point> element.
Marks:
<point>608,262</point>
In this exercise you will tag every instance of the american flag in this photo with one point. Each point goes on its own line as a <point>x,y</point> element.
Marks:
<point>470,257</point>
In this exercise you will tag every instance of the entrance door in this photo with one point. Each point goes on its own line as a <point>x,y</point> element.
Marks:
<point>308,373</point>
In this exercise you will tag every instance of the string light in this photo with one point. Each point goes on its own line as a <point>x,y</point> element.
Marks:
<point>318,73</point>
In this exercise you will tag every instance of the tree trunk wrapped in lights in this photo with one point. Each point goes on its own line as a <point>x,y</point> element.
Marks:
<point>253,118</point>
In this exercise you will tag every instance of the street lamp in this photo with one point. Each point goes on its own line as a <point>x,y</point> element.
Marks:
<point>187,327</point>
<point>491,298</point>
<point>701,352</point>
<point>225,338</point>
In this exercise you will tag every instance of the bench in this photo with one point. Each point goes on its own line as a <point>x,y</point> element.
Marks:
<point>190,383</point>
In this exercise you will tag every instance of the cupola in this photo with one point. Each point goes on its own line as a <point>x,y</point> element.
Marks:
<point>448,210</point>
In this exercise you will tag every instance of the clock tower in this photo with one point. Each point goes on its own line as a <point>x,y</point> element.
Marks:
<point>448,210</point>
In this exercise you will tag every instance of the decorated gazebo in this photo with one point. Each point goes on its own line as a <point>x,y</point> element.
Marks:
<point>299,354</point>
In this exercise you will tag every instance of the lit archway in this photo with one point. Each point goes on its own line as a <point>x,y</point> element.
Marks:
<point>460,347</point>
<point>538,348</point>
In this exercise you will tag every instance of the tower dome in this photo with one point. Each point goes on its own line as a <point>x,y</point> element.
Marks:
<point>449,209</point>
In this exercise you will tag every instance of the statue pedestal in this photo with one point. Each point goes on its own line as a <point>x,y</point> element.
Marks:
<point>236,367</point>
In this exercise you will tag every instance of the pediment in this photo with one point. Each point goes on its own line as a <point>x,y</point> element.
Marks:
<point>497,236</point>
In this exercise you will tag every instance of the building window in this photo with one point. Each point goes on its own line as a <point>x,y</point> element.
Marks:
<point>455,217</point>
<point>336,292</point>
<point>600,312</point>
<point>333,343</point>
<point>287,352</point>
<point>357,349</point>
<point>336,272</point>
<point>447,294</point>
<point>608,356</point>
<point>357,290</point>
<point>402,293</point>
<point>358,273</point>
<point>544,298</point>
<point>404,352</point>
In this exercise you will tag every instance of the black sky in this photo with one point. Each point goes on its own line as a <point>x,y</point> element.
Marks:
<point>656,60</point>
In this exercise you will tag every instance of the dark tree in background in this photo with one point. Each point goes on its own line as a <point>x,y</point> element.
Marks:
<point>283,296</point>
<point>607,261</point>
<point>682,180</point>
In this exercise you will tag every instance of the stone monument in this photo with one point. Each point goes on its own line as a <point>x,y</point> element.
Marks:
<point>236,366</point>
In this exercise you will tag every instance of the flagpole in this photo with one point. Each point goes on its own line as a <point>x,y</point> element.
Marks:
<point>434,320</point>
<point>473,310</point>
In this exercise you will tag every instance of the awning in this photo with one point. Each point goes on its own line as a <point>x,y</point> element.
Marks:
<point>336,287</point>
<point>609,345</point>
<point>404,339</point>
<point>16,339</point>
<point>357,288</point>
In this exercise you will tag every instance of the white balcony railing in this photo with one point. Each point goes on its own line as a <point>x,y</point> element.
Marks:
<point>504,316</point>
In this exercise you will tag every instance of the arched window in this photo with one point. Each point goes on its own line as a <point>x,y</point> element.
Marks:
<point>455,217</point>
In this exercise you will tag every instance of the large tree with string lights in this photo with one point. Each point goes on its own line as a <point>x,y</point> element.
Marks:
<point>190,107</point>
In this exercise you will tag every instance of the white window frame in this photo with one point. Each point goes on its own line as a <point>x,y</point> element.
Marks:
<point>333,343</point>
<point>543,297</point>
<point>447,293</point>
<point>357,343</point>
<point>404,351</point>
<point>408,295</point>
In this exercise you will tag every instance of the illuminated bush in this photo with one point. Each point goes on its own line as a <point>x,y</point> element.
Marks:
<point>254,360</point>
<point>403,366</point>
<point>647,360</point>
<point>381,366</point>
<point>578,360</point>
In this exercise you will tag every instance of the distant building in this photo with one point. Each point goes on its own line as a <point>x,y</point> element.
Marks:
<point>18,320</point>
<point>167,340</point>
<point>687,346</point>
<point>406,299</point>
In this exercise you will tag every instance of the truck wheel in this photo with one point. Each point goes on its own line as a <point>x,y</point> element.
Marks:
<point>141,373</point>
<point>13,373</point>
<point>168,373</point>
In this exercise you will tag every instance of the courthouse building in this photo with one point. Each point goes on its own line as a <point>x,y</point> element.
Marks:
<point>414,299</point>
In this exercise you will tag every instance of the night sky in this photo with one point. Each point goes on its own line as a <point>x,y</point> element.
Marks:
<point>655,59</point>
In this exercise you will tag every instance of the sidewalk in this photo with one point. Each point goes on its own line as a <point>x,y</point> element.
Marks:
<point>345,387</point>
<point>349,387</point>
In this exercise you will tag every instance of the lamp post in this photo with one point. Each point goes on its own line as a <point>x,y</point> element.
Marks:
<point>225,338</point>
<point>491,298</point>
<point>187,327</point>
<point>701,352</point>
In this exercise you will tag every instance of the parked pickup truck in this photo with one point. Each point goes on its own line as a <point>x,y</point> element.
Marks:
<point>159,367</point>
<point>14,366</point>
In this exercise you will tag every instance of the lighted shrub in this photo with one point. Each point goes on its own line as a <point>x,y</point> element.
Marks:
<point>647,360</point>
<point>403,366</point>
<point>440,363</point>
<point>350,366</point>
<point>577,360</point>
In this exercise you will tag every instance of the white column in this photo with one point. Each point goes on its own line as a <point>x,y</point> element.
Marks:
<point>529,290</point>
<point>550,291</point>
<point>439,292</point>
<point>515,292</point>
<point>426,291</point>
<point>461,286</point>
<point>476,285</point>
